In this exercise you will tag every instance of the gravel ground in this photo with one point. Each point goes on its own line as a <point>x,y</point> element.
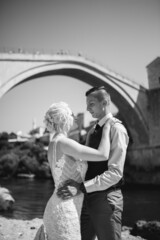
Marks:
<point>12,229</point>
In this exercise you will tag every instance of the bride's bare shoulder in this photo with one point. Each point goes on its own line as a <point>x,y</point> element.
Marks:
<point>59,141</point>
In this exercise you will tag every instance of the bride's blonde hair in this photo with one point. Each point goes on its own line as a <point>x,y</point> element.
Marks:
<point>58,118</point>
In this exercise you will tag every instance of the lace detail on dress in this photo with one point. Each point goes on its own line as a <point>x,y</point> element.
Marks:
<point>82,168</point>
<point>66,167</point>
<point>58,171</point>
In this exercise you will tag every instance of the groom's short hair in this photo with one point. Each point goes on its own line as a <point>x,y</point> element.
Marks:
<point>100,93</point>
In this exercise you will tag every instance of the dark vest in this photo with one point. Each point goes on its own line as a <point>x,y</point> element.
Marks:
<point>96,168</point>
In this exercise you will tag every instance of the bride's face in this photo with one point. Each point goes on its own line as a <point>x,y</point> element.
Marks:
<point>74,123</point>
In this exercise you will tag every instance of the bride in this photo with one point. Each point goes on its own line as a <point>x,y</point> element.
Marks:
<point>68,160</point>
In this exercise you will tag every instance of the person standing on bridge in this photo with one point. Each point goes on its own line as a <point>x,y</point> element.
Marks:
<point>103,202</point>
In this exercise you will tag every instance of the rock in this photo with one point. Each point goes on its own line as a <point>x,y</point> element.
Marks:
<point>149,230</point>
<point>6,200</point>
<point>126,234</point>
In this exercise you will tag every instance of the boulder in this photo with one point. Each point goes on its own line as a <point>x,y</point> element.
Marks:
<point>6,200</point>
<point>149,230</point>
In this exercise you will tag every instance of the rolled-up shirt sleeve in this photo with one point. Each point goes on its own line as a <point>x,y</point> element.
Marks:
<point>119,143</point>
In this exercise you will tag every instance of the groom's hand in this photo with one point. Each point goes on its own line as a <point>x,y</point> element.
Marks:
<point>68,189</point>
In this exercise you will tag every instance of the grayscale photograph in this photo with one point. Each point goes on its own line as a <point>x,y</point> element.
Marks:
<point>80,120</point>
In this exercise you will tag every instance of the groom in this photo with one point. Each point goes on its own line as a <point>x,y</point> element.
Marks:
<point>103,202</point>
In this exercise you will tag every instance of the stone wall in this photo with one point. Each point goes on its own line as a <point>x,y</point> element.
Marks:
<point>153,70</point>
<point>143,166</point>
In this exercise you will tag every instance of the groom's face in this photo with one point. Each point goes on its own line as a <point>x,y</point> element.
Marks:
<point>95,107</point>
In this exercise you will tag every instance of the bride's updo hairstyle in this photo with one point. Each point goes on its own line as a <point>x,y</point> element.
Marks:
<point>58,118</point>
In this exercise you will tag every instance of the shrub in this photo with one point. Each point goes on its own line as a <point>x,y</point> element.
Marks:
<point>9,165</point>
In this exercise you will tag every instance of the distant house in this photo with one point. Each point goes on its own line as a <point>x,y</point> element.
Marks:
<point>37,132</point>
<point>19,137</point>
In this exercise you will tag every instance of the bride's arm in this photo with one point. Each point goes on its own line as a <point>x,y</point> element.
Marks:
<point>73,148</point>
<point>88,135</point>
<point>104,145</point>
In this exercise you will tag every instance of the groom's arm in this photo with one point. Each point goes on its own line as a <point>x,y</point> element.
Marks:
<point>115,163</point>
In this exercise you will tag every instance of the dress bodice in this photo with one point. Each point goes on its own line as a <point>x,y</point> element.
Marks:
<point>65,167</point>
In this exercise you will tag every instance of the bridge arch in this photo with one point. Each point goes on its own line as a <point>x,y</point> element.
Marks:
<point>124,94</point>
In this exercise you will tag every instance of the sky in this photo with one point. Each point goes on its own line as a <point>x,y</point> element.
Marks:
<point>122,35</point>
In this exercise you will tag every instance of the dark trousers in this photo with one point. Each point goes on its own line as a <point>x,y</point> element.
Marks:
<point>101,215</point>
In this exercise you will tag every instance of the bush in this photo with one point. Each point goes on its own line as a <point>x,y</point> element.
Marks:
<point>22,157</point>
<point>9,165</point>
<point>4,140</point>
<point>28,165</point>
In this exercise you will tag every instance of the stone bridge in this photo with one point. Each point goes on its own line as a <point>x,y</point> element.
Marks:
<point>131,98</point>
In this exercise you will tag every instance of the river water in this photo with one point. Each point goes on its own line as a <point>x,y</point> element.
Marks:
<point>31,196</point>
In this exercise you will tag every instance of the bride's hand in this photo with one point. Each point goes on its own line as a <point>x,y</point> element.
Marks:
<point>68,189</point>
<point>108,124</point>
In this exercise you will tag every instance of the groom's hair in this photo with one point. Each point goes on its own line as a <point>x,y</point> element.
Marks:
<point>100,93</point>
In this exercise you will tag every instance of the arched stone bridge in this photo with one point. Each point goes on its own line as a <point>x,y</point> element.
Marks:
<point>130,97</point>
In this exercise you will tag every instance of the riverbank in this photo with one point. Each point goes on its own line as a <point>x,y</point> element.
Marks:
<point>13,229</point>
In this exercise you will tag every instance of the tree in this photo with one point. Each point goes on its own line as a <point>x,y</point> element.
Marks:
<point>9,165</point>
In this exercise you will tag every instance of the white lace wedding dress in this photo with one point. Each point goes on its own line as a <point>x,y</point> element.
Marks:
<point>62,217</point>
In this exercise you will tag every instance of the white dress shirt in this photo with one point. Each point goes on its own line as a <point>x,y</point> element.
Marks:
<point>118,149</point>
